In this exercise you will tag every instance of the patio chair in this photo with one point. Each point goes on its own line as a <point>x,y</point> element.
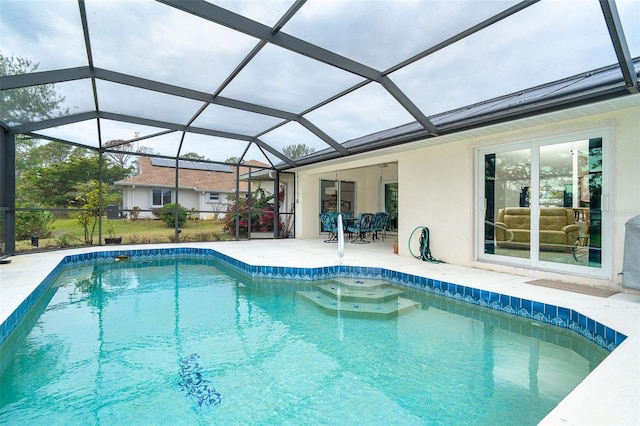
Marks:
<point>329,224</point>
<point>380,221</point>
<point>363,224</point>
<point>347,221</point>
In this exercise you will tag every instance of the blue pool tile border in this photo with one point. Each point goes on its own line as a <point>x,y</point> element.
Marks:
<point>592,330</point>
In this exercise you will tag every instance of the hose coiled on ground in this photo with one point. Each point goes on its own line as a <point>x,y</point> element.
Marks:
<point>425,251</point>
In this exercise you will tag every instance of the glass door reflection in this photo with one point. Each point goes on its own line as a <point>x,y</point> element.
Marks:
<point>507,199</point>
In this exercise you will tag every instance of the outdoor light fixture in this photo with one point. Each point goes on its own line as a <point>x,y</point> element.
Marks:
<point>381,166</point>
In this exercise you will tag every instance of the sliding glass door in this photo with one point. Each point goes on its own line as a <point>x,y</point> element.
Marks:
<point>507,184</point>
<point>337,196</point>
<point>391,204</point>
<point>541,205</point>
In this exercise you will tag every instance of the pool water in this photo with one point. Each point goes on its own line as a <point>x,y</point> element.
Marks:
<point>182,341</point>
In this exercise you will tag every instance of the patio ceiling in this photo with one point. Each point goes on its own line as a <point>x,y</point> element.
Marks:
<point>245,79</point>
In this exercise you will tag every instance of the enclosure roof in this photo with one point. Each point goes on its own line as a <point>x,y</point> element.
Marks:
<point>245,79</point>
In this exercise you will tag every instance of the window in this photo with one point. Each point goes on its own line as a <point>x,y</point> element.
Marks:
<point>161,197</point>
<point>541,206</point>
<point>338,196</point>
<point>214,197</point>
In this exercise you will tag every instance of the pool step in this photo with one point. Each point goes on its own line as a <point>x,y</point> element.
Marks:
<point>371,299</point>
<point>360,282</point>
<point>376,294</point>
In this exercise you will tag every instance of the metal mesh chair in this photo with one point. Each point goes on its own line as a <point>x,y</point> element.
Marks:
<point>329,224</point>
<point>380,222</point>
<point>363,225</point>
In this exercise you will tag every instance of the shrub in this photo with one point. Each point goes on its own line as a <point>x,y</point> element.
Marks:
<point>168,214</point>
<point>134,214</point>
<point>33,224</point>
<point>65,240</point>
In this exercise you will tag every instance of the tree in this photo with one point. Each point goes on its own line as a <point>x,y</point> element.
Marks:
<point>297,150</point>
<point>55,185</point>
<point>89,201</point>
<point>121,158</point>
<point>32,154</point>
<point>233,160</point>
<point>52,152</point>
<point>24,145</point>
<point>27,104</point>
<point>146,150</point>
<point>193,156</point>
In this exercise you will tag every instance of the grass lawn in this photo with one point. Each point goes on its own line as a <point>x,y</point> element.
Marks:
<point>68,233</point>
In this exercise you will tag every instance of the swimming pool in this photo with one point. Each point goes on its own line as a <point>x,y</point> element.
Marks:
<point>275,358</point>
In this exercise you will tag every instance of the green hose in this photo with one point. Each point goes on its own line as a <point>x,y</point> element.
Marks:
<point>425,251</point>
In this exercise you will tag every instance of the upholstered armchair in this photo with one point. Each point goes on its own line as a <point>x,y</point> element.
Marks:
<point>558,229</point>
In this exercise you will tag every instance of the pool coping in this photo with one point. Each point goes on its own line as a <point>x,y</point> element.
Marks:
<point>566,317</point>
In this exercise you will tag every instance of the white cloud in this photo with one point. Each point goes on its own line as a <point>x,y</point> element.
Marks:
<point>365,111</point>
<point>158,42</point>
<point>293,134</point>
<point>383,33</point>
<point>83,132</point>
<point>121,99</point>
<point>265,12</point>
<point>47,33</point>
<point>280,79</point>
<point>544,43</point>
<point>213,148</point>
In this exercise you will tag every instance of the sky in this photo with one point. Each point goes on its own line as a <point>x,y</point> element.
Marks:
<point>548,41</point>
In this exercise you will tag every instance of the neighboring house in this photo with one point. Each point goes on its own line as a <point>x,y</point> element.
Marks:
<point>203,187</point>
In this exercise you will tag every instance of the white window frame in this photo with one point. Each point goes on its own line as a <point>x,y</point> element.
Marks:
<point>211,195</point>
<point>161,196</point>
<point>534,144</point>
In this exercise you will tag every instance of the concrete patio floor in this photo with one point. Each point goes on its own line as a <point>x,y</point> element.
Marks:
<point>609,395</point>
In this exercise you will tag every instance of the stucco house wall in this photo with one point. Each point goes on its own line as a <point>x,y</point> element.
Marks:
<point>141,196</point>
<point>436,180</point>
<point>444,198</point>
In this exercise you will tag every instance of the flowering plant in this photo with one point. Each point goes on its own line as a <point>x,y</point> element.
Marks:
<point>257,207</point>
